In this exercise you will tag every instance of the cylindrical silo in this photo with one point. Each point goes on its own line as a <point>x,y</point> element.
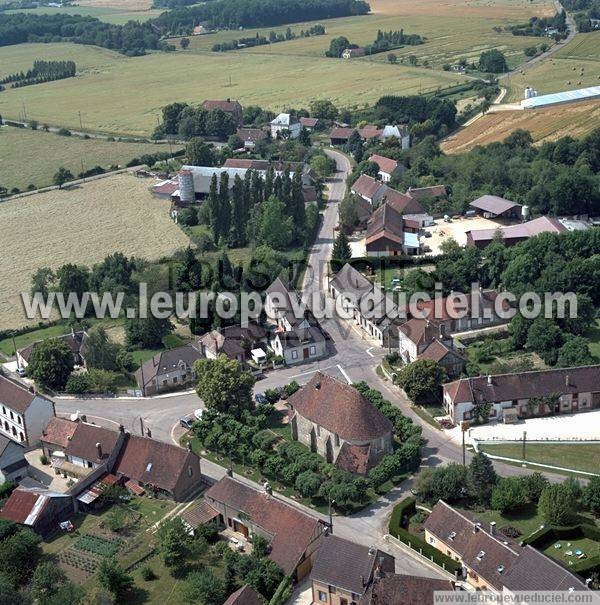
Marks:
<point>186,186</point>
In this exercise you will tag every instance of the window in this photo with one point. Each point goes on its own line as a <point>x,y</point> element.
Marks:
<point>19,420</point>
<point>3,410</point>
<point>313,350</point>
<point>322,596</point>
<point>332,589</point>
<point>12,417</point>
<point>337,440</point>
<point>294,354</point>
<point>174,379</point>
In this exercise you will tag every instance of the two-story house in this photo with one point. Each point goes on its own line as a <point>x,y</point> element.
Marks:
<point>525,394</point>
<point>23,412</point>
<point>491,561</point>
<point>336,421</point>
<point>388,168</point>
<point>168,370</point>
<point>75,341</point>
<point>285,125</point>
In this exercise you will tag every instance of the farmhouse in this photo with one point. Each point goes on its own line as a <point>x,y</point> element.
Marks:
<point>309,123</point>
<point>525,394</point>
<point>492,206</point>
<point>23,412</point>
<point>236,342</point>
<point>369,189</point>
<point>233,108</point>
<point>251,136</point>
<point>337,422</point>
<point>493,562</point>
<point>285,125</point>
<point>514,234</point>
<point>75,341</point>
<point>389,234</point>
<point>168,370</point>
<point>344,571</point>
<point>424,339</point>
<point>297,336</point>
<point>82,450</point>
<point>294,535</point>
<point>421,194</point>
<point>388,168</point>
<point>348,53</point>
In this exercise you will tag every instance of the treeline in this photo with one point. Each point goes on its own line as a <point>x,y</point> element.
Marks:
<point>560,177</point>
<point>392,39</point>
<point>42,71</point>
<point>274,37</point>
<point>132,39</point>
<point>538,26</point>
<point>584,11</point>
<point>187,121</point>
<point>230,14</point>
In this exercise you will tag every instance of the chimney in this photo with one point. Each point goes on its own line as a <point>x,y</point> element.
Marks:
<point>121,428</point>
<point>362,581</point>
<point>99,449</point>
<point>475,528</point>
<point>493,528</point>
<point>567,383</point>
<point>489,380</point>
<point>83,418</point>
<point>318,385</point>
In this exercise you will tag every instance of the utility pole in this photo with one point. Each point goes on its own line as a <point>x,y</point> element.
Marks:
<point>524,444</point>
<point>80,121</point>
<point>82,171</point>
<point>464,426</point>
<point>330,514</point>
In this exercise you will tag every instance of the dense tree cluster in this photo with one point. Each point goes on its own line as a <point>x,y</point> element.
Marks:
<point>539,26</point>
<point>272,38</point>
<point>388,40</point>
<point>584,11</point>
<point>257,13</point>
<point>560,177</point>
<point>493,61</point>
<point>132,38</point>
<point>42,71</point>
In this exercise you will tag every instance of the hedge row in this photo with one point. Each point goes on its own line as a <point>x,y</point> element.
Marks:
<point>407,506</point>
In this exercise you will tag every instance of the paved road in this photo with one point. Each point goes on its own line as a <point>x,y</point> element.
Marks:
<point>352,358</point>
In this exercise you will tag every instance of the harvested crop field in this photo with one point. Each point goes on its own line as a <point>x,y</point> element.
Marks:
<point>574,119</point>
<point>44,153</point>
<point>79,225</point>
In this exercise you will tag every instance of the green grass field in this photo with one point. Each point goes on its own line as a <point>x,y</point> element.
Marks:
<point>43,153</point>
<point>583,46</point>
<point>452,31</point>
<point>116,16</point>
<point>589,547</point>
<point>577,457</point>
<point>526,520</point>
<point>126,95</point>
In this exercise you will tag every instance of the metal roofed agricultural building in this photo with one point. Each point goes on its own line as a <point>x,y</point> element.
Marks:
<point>558,98</point>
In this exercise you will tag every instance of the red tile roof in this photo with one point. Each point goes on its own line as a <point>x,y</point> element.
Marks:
<point>523,385</point>
<point>15,395</point>
<point>58,432</point>
<point>199,513</point>
<point>340,132</point>
<point>402,203</point>
<point>405,590</point>
<point>436,351</point>
<point>19,505</point>
<point>421,193</point>
<point>366,186</point>
<point>84,439</point>
<point>543,224</point>
<point>246,595</point>
<point>165,188</point>
<point>251,134</point>
<point>309,122</point>
<point>153,462</point>
<point>387,223</point>
<point>370,132</point>
<point>354,458</point>
<point>293,530</point>
<point>339,408</point>
<point>246,163</point>
<point>225,105</point>
<point>386,165</point>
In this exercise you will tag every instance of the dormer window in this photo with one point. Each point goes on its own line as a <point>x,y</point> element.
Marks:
<point>452,535</point>
<point>480,555</point>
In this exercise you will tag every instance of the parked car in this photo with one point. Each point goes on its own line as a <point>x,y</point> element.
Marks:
<point>21,372</point>
<point>198,413</point>
<point>186,423</point>
<point>427,233</point>
<point>260,398</point>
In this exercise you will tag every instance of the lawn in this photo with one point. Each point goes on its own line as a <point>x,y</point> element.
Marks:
<point>589,547</point>
<point>583,46</point>
<point>574,119</point>
<point>80,225</point>
<point>117,16</point>
<point>526,520</point>
<point>594,337</point>
<point>44,152</point>
<point>576,456</point>
<point>495,355</point>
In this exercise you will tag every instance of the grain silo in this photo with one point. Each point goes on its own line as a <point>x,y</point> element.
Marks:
<point>187,194</point>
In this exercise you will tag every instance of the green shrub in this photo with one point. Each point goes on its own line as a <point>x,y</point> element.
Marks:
<point>148,574</point>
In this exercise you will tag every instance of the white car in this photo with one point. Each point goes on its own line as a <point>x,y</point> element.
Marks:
<point>198,413</point>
